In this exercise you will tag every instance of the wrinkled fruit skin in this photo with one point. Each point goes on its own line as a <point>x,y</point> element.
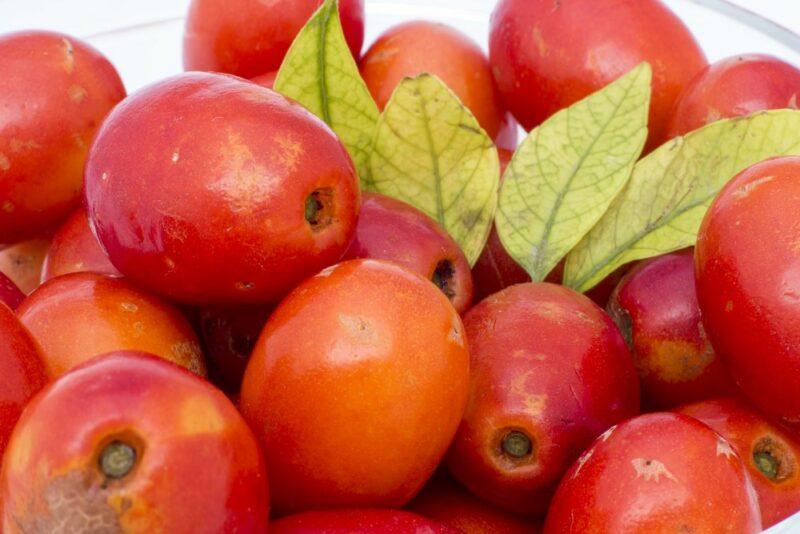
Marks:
<point>229,336</point>
<point>81,315</point>
<point>392,230</point>
<point>75,249</point>
<point>22,371</point>
<point>358,521</point>
<point>757,440</point>
<point>250,37</point>
<point>227,168</point>
<point>655,307</point>
<point>54,92</point>
<point>444,500</point>
<point>746,265</point>
<point>735,87</point>
<point>447,53</point>
<point>197,465</point>
<point>530,40</point>
<point>356,387</point>
<point>22,263</point>
<point>10,294</point>
<point>630,481</point>
<point>549,364</point>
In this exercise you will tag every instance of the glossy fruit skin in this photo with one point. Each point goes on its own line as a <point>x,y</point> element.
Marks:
<point>749,293</point>
<point>229,336</point>
<point>389,229</point>
<point>548,363</point>
<point>22,371</point>
<point>10,294</point>
<point>227,168</point>
<point>198,467</point>
<point>75,249</point>
<point>358,521</point>
<point>656,308</point>
<point>749,433</point>
<point>81,315</point>
<point>250,37</point>
<point>445,500</point>
<point>54,92</point>
<point>356,387</point>
<point>734,87</point>
<point>447,53</point>
<point>22,262</point>
<point>547,55</point>
<point>629,481</point>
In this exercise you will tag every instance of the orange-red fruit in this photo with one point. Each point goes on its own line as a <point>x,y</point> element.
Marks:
<point>657,473</point>
<point>770,454</point>
<point>417,47</point>
<point>10,294</point>
<point>734,87</point>
<point>131,443</point>
<point>548,54</point>
<point>74,249</point>
<point>251,37</point>
<point>656,308</point>
<point>446,501</point>
<point>22,263</point>
<point>549,373</point>
<point>54,92</point>
<point>748,286</point>
<point>356,387</point>
<point>358,521</point>
<point>392,230</point>
<point>81,315</point>
<point>21,368</point>
<point>247,192</point>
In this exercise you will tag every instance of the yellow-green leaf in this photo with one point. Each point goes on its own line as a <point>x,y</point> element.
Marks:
<point>663,204</point>
<point>568,170</point>
<point>320,73</point>
<point>431,152</point>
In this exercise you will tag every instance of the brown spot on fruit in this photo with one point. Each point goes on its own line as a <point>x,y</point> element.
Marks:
<point>651,470</point>
<point>69,57</point>
<point>77,93</point>
<point>676,361</point>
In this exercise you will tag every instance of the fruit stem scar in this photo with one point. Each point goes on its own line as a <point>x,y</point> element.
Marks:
<point>767,464</point>
<point>318,209</point>
<point>117,459</point>
<point>517,445</point>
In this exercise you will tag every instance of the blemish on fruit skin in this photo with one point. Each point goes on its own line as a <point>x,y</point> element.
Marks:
<point>678,361</point>
<point>729,306</point>
<point>746,189</point>
<point>324,273</point>
<point>169,262</point>
<point>104,177</point>
<point>535,404</point>
<point>77,93</point>
<point>8,206</point>
<point>176,156</point>
<point>541,46</point>
<point>724,448</point>
<point>188,352</point>
<point>199,416</point>
<point>129,307</point>
<point>607,434</point>
<point>359,329</point>
<point>5,164</point>
<point>581,461</point>
<point>18,146</point>
<point>651,470</point>
<point>69,57</point>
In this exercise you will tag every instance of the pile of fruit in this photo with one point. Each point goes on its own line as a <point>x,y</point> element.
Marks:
<point>301,289</point>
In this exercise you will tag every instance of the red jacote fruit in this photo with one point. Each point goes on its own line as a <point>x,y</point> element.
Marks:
<point>770,454</point>
<point>549,373</point>
<point>656,473</point>
<point>734,87</point>
<point>656,308</point>
<point>547,55</point>
<point>143,446</point>
<point>748,286</point>
<point>75,248</point>
<point>10,294</point>
<point>54,92</point>
<point>250,37</point>
<point>356,387</point>
<point>247,192</point>
<point>392,230</point>
<point>358,521</point>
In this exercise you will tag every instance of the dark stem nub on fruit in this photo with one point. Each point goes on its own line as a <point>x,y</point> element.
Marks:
<point>517,445</point>
<point>444,276</point>
<point>117,459</point>
<point>767,464</point>
<point>319,209</point>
